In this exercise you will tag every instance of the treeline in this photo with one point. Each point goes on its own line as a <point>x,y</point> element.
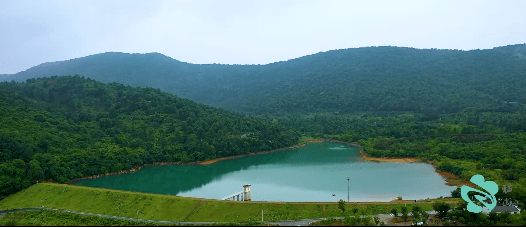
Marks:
<point>353,80</point>
<point>61,128</point>
<point>460,216</point>
<point>354,127</point>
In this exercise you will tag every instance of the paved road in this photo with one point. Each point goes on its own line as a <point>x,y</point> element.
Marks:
<point>303,222</point>
<point>306,222</point>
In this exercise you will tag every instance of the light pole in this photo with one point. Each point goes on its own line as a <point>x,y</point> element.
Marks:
<point>348,178</point>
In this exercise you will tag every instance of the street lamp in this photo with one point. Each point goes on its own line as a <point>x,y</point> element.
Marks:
<point>348,178</point>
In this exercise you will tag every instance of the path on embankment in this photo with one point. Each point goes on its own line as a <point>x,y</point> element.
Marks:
<point>303,222</point>
<point>106,216</point>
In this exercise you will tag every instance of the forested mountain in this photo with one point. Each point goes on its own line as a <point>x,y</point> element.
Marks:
<point>463,111</point>
<point>62,128</point>
<point>348,80</point>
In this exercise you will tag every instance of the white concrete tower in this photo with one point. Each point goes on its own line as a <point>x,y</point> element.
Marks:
<point>246,190</point>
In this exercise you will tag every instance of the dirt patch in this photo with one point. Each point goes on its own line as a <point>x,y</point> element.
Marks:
<point>365,157</point>
<point>454,180</point>
<point>316,141</point>
<point>451,179</point>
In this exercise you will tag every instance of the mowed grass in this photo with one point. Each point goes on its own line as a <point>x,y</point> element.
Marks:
<point>47,217</point>
<point>50,218</point>
<point>175,208</point>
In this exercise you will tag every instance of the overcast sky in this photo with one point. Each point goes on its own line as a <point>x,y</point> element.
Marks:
<point>246,32</point>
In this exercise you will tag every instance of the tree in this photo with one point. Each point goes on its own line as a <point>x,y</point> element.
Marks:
<point>416,217</point>
<point>442,209</point>
<point>424,215</point>
<point>376,220</point>
<point>462,206</point>
<point>354,211</point>
<point>493,217</point>
<point>405,216</point>
<point>341,205</point>
<point>366,221</point>
<point>456,193</point>
<point>394,212</point>
<point>416,209</point>
<point>35,170</point>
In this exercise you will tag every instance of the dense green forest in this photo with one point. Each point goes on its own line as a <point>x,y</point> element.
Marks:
<point>351,80</point>
<point>62,128</point>
<point>463,111</point>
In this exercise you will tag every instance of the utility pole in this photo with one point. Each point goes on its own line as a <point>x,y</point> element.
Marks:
<point>348,178</point>
<point>261,215</point>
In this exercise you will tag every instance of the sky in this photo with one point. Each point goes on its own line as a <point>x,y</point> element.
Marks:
<point>245,31</point>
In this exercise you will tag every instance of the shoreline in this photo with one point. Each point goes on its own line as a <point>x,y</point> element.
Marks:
<point>454,180</point>
<point>394,201</point>
<point>137,168</point>
<point>365,157</point>
<point>451,179</point>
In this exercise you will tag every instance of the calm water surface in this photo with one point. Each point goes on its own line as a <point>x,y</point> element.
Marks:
<point>311,173</point>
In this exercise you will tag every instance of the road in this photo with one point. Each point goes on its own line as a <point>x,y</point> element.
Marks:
<point>306,222</point>
<point>303,222</point>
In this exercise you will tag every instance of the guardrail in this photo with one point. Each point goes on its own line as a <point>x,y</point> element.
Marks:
<point>240,196</point>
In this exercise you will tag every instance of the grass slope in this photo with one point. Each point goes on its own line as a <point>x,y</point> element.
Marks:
<point>175,208</point>
<point>47,217</point>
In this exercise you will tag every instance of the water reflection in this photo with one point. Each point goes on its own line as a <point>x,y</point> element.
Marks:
<point>311,173</point>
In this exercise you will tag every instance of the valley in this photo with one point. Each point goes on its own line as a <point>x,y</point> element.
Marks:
<point>459,111</point>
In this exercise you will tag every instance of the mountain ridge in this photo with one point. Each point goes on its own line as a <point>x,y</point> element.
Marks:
<point>349,80</point>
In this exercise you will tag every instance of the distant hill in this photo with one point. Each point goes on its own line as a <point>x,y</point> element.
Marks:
<point>349,80</point>
<point>5,77</point>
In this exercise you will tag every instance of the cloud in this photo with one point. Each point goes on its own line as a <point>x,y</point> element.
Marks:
<point>246,32</point>
<point>34,32</point>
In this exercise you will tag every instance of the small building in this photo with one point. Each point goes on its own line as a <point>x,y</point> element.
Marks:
<point>240,196</point>
<point>513,209</point>
<point>246,191</point>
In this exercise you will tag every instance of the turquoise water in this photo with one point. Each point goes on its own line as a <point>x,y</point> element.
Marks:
<point>311,173</point>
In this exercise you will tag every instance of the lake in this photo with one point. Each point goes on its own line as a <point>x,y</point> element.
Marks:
<point>308,174</point>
